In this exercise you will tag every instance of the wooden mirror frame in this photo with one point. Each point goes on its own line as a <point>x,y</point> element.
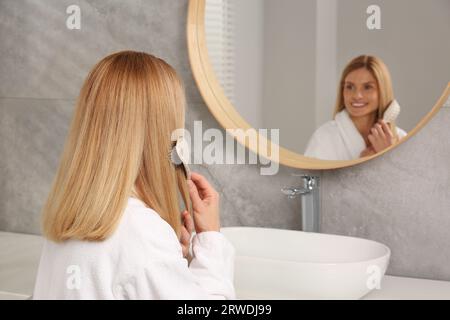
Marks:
<point>227,115</point>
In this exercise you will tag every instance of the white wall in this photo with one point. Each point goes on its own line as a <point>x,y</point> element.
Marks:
<point>289,70</point>
<point>249,52</point>
<point>326,60</point>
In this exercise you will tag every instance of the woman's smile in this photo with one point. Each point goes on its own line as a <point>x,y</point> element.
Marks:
<point>358,104</point>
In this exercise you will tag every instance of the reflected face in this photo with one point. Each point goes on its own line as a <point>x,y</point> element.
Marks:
<point>360,93</point>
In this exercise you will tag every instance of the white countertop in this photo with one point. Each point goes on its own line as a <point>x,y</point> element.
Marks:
<point>400,288</point>
<point>19,260</point>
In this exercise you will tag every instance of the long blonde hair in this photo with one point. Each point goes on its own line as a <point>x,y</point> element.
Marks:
<point>381,74</point>
<point>118,145</point>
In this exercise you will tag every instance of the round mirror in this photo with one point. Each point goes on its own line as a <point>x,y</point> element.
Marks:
<point>342,83</point>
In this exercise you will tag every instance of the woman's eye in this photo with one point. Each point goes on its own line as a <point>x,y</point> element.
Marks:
<point>349,87</point>
<point>368,87</point>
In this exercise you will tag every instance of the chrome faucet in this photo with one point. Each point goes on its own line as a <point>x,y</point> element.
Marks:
<point>309,193</point>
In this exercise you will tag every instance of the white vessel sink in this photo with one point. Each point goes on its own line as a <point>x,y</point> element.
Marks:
<point>287,264</point>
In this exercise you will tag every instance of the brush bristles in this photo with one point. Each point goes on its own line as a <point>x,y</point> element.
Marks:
<point>391,112</point>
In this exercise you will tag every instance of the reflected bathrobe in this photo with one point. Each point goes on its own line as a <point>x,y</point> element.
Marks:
<point>338,139</point>
<point>141,260</point>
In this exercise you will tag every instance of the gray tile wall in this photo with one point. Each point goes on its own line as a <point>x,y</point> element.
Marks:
<point>400,199</point>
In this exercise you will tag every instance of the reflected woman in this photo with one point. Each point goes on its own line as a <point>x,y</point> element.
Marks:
<point>358,129</point>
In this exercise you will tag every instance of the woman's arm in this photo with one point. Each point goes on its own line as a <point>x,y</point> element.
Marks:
<point>157,268</point>
<point>154,267</point>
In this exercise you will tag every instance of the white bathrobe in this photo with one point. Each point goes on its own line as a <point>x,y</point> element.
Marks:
<point>141,260</point>
<point>338,139</point>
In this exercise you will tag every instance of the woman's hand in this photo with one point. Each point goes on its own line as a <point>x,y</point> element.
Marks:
<point>381,136</point>
<point>205,204</point>
<point>186,230</point>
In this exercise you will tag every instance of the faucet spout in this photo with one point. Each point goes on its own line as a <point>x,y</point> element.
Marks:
<point>310,203</point>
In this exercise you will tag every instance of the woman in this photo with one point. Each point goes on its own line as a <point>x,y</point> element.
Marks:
<point>112,220</point>
<point>364,94</point>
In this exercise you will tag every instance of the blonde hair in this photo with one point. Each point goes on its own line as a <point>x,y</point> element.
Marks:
<point>381,74</point>
<point>118,145</point>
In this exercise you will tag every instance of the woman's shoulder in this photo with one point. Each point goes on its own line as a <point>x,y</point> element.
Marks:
<point>139,216</point>
<point>327,129</point>
<point>138,213</point>
<point>321,144</point>
<point>143,224</point>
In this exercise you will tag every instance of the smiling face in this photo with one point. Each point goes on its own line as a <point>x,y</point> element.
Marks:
<point>360,93</point>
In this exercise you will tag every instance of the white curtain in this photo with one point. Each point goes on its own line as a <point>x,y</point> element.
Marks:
<point>220,42</point>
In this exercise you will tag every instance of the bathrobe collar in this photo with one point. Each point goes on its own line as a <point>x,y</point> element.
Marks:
<point>353,141</point>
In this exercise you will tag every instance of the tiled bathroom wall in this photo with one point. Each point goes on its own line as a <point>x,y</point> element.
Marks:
<point>401,198</point>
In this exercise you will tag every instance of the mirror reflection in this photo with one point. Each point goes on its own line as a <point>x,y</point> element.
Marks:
<point>340,81</point>
<point>364,116</point>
